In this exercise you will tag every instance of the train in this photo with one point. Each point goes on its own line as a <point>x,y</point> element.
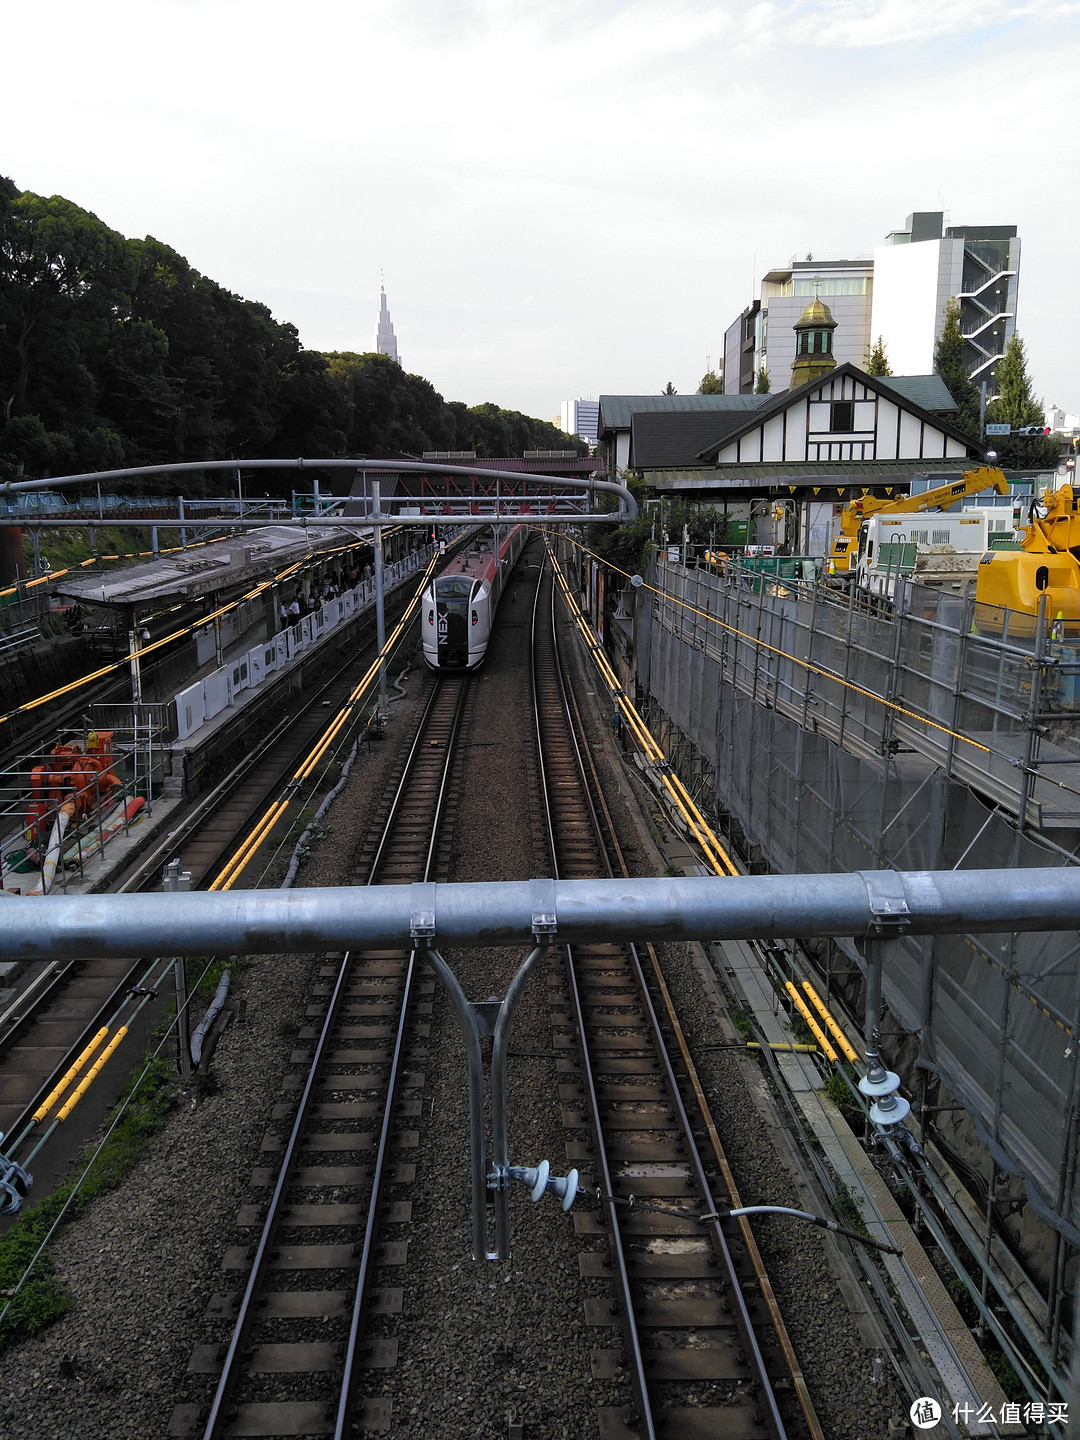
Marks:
<point>460,603</point>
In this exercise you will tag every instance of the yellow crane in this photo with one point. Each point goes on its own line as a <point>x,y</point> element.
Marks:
<point>846,544</point>
<point>1047,563</point>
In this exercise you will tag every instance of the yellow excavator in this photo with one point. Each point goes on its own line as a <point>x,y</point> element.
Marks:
<point>845,546</point>
<point>1047,563</point>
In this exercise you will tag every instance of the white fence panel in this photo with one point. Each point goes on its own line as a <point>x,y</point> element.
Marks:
<point>204,644</point>
<point>190,710</point>
<point>216,692</point>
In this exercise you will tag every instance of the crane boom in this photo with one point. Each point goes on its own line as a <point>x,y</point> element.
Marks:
<point>972,482</point>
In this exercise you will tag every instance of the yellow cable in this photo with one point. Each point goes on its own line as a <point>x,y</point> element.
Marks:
<point>54,1094</point>
<point>795,659</point>
<point>804,1010</point>
<point>165,639</point>
<point>241,858</point>
<point>834,1029</point>
<point>81,1090</point>
<point>713,850</point>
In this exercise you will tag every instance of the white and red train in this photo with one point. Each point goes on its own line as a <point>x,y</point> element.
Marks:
<point>460,603</point>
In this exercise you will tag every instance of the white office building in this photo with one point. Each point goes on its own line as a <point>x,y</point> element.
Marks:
<point>921,268</point>
<point>580,417</point>
<point>899,292</point>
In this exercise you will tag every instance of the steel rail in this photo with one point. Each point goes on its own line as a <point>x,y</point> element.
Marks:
<point>628,1324</point>
<point>438,691</point>
<point>218,1417</point>
<point>644,1420</point>
<point>716,1234</point>
<point>217,1423</point>
<point>346,1401</point>
<point>344,1416</point>
<point>700,1099</point>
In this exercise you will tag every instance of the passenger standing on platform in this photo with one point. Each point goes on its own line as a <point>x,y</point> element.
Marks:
<point>294,610</point>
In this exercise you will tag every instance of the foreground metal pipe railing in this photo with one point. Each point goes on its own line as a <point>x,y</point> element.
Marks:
<point>873,903</point>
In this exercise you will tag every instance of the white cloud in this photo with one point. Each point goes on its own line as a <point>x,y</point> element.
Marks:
<point>561,192</point>
<point>853,23</point>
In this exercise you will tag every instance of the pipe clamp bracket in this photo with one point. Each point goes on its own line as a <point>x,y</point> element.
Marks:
<point>887,898</point>
<point>545,922</point>
<point>422,912</point>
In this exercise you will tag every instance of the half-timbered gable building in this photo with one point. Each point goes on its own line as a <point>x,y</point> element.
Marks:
<point>846,417</point>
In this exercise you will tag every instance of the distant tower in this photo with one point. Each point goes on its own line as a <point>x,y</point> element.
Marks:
<point>385,339</point>
<point>813,344</point>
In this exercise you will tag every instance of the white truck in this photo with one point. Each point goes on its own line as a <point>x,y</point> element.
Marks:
<point>942,550</point>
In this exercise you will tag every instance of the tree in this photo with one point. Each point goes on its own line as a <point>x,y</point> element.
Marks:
<point>669,389</point>
<point>876,360</point>
<point>949,364</point>
<point>1015,405</point>
<point>761,384</point>
<point>710,384</point>
<point>118,352</point>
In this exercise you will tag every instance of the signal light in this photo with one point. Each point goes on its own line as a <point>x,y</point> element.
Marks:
<point>1032,430</point>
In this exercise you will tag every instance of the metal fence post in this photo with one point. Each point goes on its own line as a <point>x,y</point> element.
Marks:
<point>175,879</point>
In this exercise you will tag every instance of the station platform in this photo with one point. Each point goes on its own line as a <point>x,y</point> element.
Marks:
<point>170,747</point>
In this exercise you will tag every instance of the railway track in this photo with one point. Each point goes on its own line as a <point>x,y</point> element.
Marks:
<point>690,1327</point>
<point>330,1206</point>
<point>45,1030</point>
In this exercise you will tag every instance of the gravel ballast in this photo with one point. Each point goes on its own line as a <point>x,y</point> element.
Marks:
<point>481,1345</point>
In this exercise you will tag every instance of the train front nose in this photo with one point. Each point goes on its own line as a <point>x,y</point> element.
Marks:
<point>453,636</point>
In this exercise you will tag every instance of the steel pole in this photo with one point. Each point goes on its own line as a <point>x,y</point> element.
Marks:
<point>500,1148</point>
<point>466,1017</point>
<point>380,599</point>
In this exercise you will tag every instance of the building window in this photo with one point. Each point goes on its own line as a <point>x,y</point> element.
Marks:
<point>828,285</point>
<point>842,416</point>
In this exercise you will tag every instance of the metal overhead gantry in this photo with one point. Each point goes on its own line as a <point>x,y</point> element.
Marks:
<point>494,500</point>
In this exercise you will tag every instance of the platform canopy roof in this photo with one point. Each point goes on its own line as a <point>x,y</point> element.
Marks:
<point>207,569</point>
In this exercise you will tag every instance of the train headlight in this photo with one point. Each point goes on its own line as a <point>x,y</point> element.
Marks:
<point>475,618</point>
<point>431,617</point>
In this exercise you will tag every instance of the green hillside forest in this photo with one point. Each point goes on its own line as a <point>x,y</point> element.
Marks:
<point>115,352</point>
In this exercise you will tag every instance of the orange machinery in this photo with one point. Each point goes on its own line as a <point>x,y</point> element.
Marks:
<point>81,776</point>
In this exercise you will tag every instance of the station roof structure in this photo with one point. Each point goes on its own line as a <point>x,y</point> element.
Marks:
<point>208,569</point>
<point>804,475</point>
<point>463,492</point>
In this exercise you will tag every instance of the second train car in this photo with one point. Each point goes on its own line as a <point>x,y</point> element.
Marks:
<point>460,603</point>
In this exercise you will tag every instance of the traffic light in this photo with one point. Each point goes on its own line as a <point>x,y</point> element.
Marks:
<point>1032,430</point>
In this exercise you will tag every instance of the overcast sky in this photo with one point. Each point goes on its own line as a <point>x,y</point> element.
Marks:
<point>566,197</point>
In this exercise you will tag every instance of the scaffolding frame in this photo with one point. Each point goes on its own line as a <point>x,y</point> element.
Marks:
<point>836,734</point>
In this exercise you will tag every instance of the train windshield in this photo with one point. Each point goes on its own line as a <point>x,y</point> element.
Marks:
<point>454,587</point>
